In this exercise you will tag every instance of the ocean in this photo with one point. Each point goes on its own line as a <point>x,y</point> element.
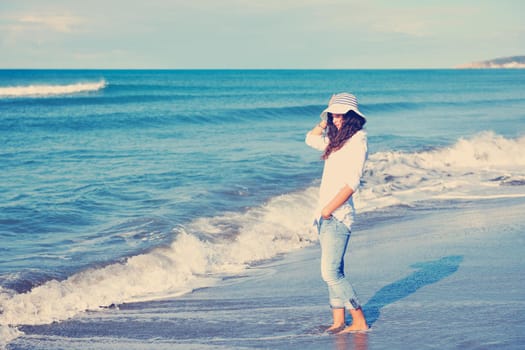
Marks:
<point>139,187</point>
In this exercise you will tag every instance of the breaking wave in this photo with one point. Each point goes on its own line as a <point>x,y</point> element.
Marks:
<point>50,90</point>
<point>486,165</point>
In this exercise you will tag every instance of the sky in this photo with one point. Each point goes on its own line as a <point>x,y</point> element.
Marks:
<point>251,34</point>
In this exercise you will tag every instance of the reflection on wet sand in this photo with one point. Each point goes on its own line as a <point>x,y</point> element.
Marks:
<point>355,341</point>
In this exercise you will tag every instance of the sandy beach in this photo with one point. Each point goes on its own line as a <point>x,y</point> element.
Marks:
<point>448,278</point>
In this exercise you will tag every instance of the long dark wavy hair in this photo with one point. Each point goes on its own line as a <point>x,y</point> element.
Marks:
<point>352,123</point>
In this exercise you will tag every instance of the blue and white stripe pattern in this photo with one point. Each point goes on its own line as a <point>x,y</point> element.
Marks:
<point>344,98</point>
<point>342,103</point>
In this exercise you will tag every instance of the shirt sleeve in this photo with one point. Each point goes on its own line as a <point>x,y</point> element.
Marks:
<point>356,153</point>
<point>318,142</point>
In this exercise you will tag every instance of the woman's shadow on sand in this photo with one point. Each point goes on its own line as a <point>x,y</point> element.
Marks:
<point>427,273</point>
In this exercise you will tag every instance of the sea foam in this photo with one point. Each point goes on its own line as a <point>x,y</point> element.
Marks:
<point>478,167</point>
<point>50,90</point>
<point>202,252</point>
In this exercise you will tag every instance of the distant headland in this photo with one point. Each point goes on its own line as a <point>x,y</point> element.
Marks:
<point>503,62</point>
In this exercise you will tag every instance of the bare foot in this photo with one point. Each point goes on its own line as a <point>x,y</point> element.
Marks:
<point>355,328</point>
<point>335,328</point>
<point>358,322</point>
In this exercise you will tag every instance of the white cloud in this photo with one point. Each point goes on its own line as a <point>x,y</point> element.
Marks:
<point>58,23</point>
<point>34,28</point>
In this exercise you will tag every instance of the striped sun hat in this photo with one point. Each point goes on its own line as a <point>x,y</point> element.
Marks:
<point>340,104</point>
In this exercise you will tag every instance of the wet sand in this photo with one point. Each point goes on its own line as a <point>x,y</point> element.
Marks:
<point>436,278</point>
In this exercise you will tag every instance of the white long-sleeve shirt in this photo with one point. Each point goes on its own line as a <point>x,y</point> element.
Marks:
<point>343,167</point>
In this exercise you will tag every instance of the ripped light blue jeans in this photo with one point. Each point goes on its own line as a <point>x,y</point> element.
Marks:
<point>334,237</point>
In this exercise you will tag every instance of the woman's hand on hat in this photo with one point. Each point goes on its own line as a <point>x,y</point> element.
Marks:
<point>318,129</point>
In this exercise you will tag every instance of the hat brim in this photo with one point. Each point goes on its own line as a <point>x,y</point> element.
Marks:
<point>337,108</point>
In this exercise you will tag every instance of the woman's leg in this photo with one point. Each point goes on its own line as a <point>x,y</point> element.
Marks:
<point>339,323</point>
<point>358,322</point>
<point>333,237</point>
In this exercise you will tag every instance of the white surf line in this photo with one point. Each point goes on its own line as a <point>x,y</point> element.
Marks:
<point>492,196</point>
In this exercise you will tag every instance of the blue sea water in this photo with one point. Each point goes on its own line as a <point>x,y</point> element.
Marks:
<point>101,168</point>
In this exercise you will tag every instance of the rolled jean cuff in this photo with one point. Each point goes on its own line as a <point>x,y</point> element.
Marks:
<point>337,307</point>
<point>353,304</point>
<point>337,304</point>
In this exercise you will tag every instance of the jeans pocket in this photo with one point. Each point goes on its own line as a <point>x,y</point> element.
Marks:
<point>336,226</point>
<point>330,219</point>
<point>323,222</point>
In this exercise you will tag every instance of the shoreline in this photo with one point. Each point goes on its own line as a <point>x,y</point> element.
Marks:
<point>406,269</point>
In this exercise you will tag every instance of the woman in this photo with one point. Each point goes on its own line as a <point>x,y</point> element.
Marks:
<point>341,137</point>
